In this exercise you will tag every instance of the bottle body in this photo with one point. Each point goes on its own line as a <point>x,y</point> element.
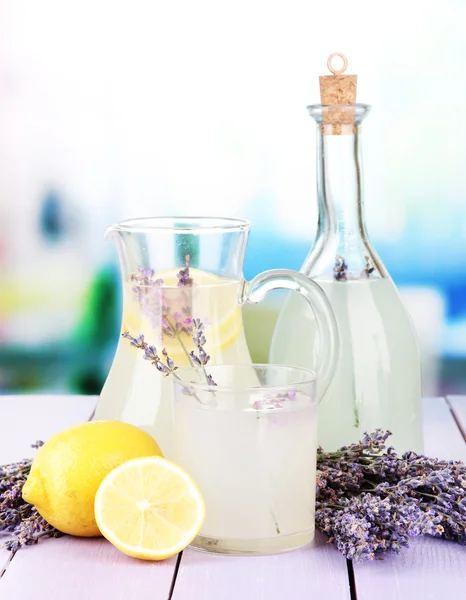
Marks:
<point>378,381</point>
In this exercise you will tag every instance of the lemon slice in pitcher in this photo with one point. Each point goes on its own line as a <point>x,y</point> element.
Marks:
<point>212,299</point>
<point>149,508</point>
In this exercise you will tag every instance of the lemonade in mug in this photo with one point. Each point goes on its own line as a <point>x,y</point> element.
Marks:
<point>251,448</point>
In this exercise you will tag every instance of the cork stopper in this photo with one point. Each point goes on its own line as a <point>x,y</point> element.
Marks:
<point>337,89</point>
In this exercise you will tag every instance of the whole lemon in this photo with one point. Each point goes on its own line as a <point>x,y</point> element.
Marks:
<point>70,466</point>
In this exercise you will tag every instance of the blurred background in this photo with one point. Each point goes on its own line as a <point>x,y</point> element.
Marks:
<point>112,110</point>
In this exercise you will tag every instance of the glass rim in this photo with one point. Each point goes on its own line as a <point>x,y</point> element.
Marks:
<point>357,106</point>
<point>181,381</point>
<point>181,224</point>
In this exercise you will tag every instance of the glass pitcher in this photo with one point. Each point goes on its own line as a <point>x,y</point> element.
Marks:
<point>176,270</point>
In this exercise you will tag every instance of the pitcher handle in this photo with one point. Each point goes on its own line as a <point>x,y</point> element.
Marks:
<point>255,291</point>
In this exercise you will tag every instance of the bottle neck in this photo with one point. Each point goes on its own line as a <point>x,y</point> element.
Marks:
<point>341,249</point>
<point>339,185</point>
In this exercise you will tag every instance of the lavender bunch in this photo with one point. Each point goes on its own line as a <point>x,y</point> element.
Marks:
<point>371,501</point>
<point>17,517</point>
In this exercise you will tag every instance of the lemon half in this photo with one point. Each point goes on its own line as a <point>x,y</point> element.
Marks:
<point>149,508</point>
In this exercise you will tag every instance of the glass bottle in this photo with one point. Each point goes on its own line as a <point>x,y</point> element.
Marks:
<point>378,380</point>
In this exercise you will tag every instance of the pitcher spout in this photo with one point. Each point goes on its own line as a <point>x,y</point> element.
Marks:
<point>110,232</point>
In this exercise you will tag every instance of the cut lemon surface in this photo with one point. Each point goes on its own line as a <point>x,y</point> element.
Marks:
<point>213,299</point>
<point>149,508</point>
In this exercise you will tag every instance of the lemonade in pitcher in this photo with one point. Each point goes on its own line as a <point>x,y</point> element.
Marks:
<point>155,305</point>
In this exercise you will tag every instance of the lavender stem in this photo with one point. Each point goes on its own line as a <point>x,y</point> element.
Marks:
<point>178,337</point>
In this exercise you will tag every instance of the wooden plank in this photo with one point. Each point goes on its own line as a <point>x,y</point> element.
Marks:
<point>26,419</point>
<point>458,406</point>
<point>431,568</point>
<point>79,568</point>
<point>5,557</point>
<point>317,571</point>
<point>442,438</point>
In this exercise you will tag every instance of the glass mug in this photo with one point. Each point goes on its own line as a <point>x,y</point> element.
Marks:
<point>175,270</point>
<point>250,444</point>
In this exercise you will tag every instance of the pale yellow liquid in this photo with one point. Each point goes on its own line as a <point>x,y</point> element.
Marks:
<point>256,471</point>
<point>135,392</point>
<point>378,381</point>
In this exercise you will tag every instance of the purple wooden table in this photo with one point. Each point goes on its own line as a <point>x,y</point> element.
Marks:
<point>87,569</point>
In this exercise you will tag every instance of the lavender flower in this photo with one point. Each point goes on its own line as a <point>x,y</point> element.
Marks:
<point>270,402</point>
<point>183,275</point>
<point>17,516</point>
<point>340,269</point>
<point>143,276</point>
<point>198,357</point>
<point>366,525</point>
<point>370,501</point>
<point>168,360</point>
<point>198,334</point>
<point>201,358</point>
<point>146,273</point>
<point>150,353</point>
<point>161,368</point>
<point>137,342</point>
<point>155,301</point>
<point>368,269</point>
<point>195,359</point>
<point>167,328</point>
<point>210,380</point>
<point>29,531</point>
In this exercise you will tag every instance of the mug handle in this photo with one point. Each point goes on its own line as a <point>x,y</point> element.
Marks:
<point>255,291</point>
